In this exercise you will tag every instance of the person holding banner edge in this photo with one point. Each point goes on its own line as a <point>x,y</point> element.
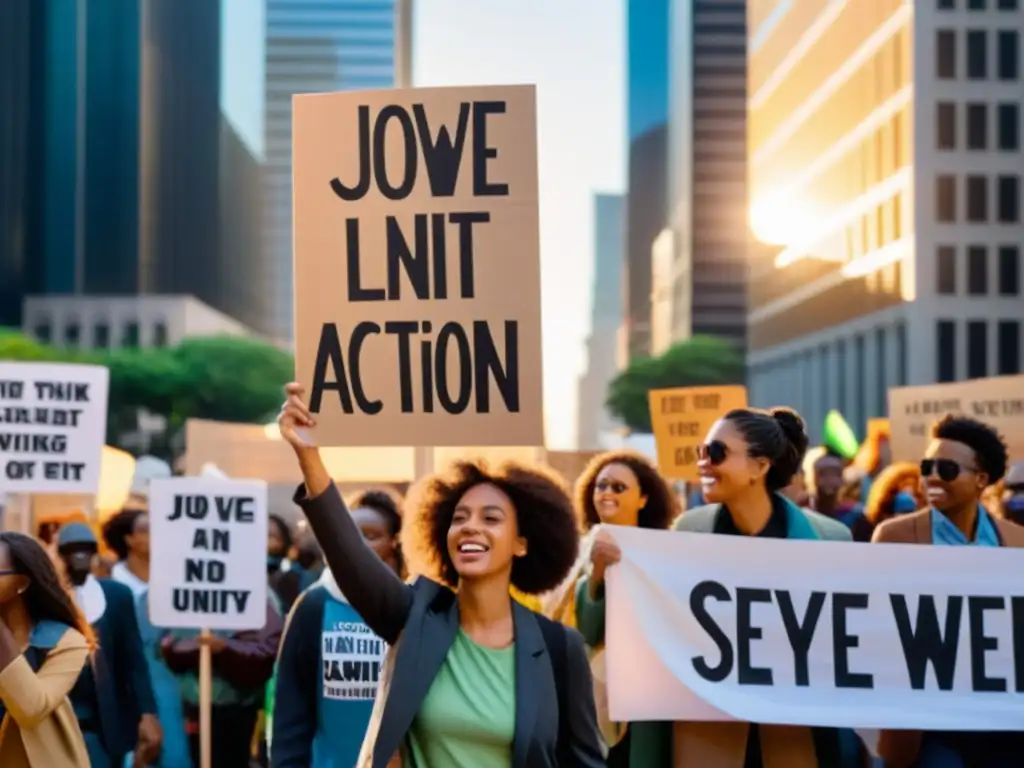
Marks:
<point>530,704</point>
<point>964,457</point>
<point>747,458</point>
<point>618,488</point>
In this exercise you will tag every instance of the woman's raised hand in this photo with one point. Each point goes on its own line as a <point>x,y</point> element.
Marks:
<point>295,420</point>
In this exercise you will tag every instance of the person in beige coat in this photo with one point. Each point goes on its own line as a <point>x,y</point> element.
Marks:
<point>44,644</point>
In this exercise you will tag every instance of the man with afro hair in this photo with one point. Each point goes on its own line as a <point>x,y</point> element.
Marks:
<point>964,457</point>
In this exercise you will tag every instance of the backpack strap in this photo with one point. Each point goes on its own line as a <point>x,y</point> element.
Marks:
<point>558,651</point>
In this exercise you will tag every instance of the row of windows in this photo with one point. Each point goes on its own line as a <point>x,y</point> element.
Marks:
<point>101,335</point>
<point>1007,65</point>
<point>976,203</point>
<point>979,5</point>
<point>976,339</point>
<point>976,126</point>
<point>1007,282</point>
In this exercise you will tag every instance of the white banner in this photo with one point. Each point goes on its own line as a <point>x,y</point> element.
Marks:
<point>209,568</point>
<point>53,421</point>
<point>705,627</point>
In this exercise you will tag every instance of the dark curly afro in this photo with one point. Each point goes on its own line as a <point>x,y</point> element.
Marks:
<point>661,508</point>
<point>543,511</point>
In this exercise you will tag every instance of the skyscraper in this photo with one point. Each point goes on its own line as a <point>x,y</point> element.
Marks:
<point>605,316</point>
<point>647,100</point>
<point>886,166</point>
<point>313,46</point>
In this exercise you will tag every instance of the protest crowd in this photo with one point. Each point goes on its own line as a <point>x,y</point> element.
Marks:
<point>743,599</point>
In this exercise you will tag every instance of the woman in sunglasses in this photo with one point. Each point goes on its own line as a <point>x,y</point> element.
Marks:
<point>618,488</point>
<point>964,457</point>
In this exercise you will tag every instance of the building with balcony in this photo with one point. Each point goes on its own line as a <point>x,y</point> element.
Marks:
<point>885,171</point>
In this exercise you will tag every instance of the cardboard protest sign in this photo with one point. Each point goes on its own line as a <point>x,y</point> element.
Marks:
<point>816,633</point>
<point>209,563</point>
<point>417,266</point>
<point>681,417</point>
<point>53,421</point>
<point>998,401</point>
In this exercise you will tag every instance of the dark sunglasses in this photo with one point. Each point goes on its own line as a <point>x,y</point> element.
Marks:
<point>714,452</point>
<point>612,485</point>
<point>947,469</point>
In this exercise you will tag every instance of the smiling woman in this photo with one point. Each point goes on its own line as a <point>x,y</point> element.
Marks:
<point>531,702</point>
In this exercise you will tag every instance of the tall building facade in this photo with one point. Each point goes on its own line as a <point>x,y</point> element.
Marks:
<point>314,46</point>
<point>647,97</point>
<point>886,167</point>
<point>124,177</point>
<point>593,418</point>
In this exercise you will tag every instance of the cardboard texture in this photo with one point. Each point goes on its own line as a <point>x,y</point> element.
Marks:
<point>998,401</point>
<point>448,252</point>
<point>681,418</point>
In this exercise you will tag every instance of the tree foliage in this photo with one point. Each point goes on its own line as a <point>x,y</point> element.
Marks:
<point>225,378</point>
<point>698,361</point>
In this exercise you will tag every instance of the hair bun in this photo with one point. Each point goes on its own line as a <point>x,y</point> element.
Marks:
<point>793,427</point>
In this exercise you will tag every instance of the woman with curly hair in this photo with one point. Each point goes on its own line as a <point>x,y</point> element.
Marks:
<point>895,491</point>
<point>619,488</point>
<point>474,679</point>
<point>44,644</point>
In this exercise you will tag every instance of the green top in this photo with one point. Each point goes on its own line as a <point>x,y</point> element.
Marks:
<point>468,717</point>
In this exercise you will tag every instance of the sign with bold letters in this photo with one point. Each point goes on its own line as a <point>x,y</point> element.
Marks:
<point>209,559</point>
<point>681,418</point>
<point>417,266</point>
<point>53,422</point>
<point>705,627</point>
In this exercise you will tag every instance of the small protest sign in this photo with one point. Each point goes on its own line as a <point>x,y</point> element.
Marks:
<point>53,421</point>
<point>417,266</point>
<point>681,418</point>
<point>208,567</point>
<point>704,627</point>
<point>997,401</point>
<point>352,660</point>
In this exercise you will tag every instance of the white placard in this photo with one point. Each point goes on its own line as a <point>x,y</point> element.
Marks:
<point>53,422</point>
<point>705,627</point>
<point>209,553</point>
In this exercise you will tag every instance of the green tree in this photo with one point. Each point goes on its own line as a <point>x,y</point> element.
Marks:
<point>698,361</point>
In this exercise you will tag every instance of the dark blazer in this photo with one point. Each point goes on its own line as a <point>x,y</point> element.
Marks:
<point>424,620</point>
<point>124,691</point>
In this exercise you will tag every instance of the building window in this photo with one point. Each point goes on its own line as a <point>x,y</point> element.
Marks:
<point>977,349</point>
<point>945,198</point>
<point>160,335</point>
<point>945,54</point>
<point>945,270</point>
<point>976,5</point>
<point>1009,270</point>
<point>977,270</point>
<point>977,199</point>
<point>945,351</point>
<point>881,388</point>
<point>72,334</point>
<point>43,332</point>
<point>977,54</point>
<point>1007,5</point>
<point>1008,53</point>
<point>1009,199</point>
<point>946,125</point>
<point>1009,347</point>
<point>1009,127</point>
<point>130,338</point>
<point>842,372</point>
<point>977,126</point>
<point>101,336</point>
<point>901,355</point>
<point>859,395</point>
